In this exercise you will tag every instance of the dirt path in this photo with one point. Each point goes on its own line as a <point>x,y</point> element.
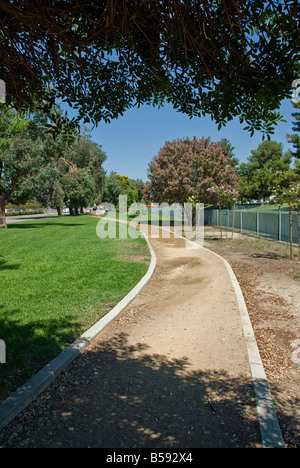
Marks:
<point>171,371</point>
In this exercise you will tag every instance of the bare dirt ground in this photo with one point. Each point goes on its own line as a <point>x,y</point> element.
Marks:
<point>270,283</point>
<point>172,371</point>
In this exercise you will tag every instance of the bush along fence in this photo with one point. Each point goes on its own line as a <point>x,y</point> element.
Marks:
<point>273,225</point>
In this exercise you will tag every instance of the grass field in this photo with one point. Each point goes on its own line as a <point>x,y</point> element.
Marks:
<point>267,207</point>
<point>57,278</point>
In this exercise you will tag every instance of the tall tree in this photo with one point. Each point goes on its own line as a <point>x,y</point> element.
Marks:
<point>245,182</point>
<point>86,154</point>
<point>228,150</point>
<point>117,184</point>
<point>294,138</point>
<point>260,175</point>
<point>50,168</point>
<point>186,168</point>
<point>113,188</point>
<point>79,189</point>
<point>223,57</point>
<point>139,186</point>
<point>72,173</point>
<point>288,191</point>
<point>20,157</point>
<point>48,184</point>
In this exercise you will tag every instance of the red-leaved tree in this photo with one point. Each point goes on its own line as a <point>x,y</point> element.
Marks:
<point>186,168</point>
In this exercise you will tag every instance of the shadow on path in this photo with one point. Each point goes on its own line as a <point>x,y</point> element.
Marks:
<point>116,395</point>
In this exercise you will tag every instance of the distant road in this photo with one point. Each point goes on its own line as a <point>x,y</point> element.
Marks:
<point>17,219</point>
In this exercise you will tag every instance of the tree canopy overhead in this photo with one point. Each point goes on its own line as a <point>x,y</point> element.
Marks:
<point>226,58</point>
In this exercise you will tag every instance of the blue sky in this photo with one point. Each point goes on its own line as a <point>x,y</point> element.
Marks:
<point>131,141</point>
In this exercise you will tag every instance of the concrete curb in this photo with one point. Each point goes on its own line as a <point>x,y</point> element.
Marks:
<point>18,401</point>
<point>267,418</point>
<point>269,427</point>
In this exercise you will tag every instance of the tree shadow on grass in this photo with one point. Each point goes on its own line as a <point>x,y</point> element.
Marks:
<point>5,266</point>
<point>30,346</point>
<point>24,225</point>
<point>117,395</point>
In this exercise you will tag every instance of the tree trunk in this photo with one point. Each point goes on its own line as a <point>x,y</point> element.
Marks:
<point>233,221</point>
<point>220,221</point>
<point>194,215</point>
<point>59,212</point>
<point>2,213</point>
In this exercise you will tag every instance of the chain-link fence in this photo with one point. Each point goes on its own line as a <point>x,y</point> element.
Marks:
<point>273,225</point>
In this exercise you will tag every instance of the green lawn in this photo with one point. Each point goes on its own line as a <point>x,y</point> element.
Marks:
<point>57,278</point>
<point>267,207</point>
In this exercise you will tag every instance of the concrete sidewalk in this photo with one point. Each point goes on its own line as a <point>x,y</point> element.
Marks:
<point>28,217</point>
<point>179,367</point>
